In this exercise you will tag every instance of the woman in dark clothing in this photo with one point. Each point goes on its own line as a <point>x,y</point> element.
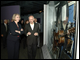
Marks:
<point>15,31</point>
<point>26,22</point>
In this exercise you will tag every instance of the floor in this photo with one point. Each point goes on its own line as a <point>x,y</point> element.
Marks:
<point>22,52</point>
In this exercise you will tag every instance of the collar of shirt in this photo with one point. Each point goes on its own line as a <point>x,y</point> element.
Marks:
<point>4,24</point>
<point>32,26</point>
<point>64,26</point>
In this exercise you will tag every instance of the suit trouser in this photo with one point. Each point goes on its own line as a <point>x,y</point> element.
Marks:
<point>4,41</point>
<point>13,49</point>
<point>31,49</point>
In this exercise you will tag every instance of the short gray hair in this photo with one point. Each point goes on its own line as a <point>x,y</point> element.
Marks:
<point>30,16</point>
<point>5,20</point>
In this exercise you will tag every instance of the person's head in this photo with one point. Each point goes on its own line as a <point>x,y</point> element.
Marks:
<point>5,21</point>
<point>35,20</point>
<point>26,22</point>
<point>22,21</point>
<point>31,19</point>
<point>65,21</point>
<point>16,17</point>
<point>11,20</point>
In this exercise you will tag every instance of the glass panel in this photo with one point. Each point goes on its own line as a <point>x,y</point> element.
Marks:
<point>50,26</point>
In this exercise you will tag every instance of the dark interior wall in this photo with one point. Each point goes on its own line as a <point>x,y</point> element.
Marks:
<point>8,11</point>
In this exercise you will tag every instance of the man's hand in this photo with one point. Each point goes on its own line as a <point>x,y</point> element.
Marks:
<point>36,34</point>
<point>29,33</point>
<point>2,35</point>
<point>21,29</point>
<point>17,31</point>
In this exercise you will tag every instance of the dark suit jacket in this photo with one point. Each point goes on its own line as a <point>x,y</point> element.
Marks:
<point>31,39</point>
<point>3,30</point>
<point>14,35</point>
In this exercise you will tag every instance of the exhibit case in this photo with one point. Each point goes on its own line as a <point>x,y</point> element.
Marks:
<point>55,12</point>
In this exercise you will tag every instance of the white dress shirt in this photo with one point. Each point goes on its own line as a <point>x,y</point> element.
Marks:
<point>32,26</point>
<point>5,26</point>
<point>64,26</point>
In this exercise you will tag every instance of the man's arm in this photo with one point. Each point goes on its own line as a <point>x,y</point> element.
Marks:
<point>38,29</point>
<point>37,32</point>
<point>1,29</point>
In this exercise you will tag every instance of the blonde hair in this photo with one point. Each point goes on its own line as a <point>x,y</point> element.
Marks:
<point>13,17</point>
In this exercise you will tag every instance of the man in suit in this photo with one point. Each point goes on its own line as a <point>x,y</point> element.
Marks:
<point>4,32</point>
<point>32,32</point>
<point>38,44</point>
<point>35,20</point>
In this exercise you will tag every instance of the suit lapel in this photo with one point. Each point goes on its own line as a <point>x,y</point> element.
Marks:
<point>30,27</point>
<point>33,28</point>
<point>4,25</point>
<point>16,25</point>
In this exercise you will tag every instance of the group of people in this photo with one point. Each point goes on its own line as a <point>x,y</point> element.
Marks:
<point>4,32</point>
<point>15,31</point>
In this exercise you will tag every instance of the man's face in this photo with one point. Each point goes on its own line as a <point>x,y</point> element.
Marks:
<point>22,21</point>
<point>27,22</point>
<point>65,22</point>
<point>6,21</point>
<point>11,20</point>
<point>31,19</point>
<point>35,20</point>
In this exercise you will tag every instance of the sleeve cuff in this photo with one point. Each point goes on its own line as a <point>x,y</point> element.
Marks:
<point>26,34</point>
